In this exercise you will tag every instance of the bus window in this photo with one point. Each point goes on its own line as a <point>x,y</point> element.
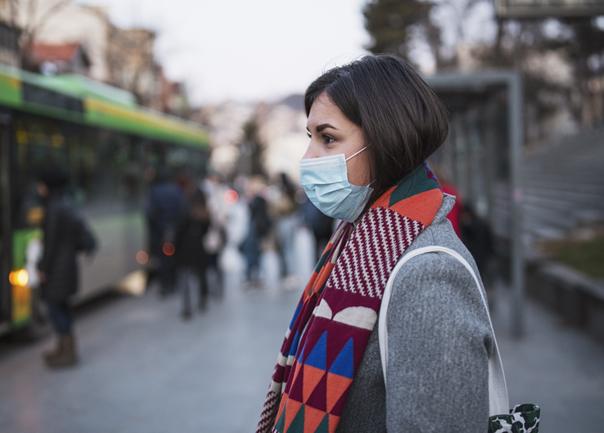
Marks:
<point>38,143</point>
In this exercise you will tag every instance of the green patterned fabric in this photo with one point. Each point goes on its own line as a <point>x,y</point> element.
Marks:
<point>523,418</point>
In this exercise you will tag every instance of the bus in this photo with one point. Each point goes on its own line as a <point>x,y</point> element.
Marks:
<point>107,142</point>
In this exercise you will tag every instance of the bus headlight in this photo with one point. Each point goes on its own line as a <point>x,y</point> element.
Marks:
<point>19,277</point>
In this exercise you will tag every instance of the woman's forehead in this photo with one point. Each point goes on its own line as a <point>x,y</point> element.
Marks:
<point>324,111</point>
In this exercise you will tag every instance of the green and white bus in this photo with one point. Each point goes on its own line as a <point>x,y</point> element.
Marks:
<point>107,142</point>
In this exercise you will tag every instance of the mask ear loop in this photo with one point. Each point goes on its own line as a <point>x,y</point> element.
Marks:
<point>356,153</point>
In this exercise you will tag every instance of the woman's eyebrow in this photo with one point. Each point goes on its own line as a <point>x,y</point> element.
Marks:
<point>322,126</point>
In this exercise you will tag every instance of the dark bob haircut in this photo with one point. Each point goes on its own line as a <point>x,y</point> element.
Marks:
<point>402,119</point>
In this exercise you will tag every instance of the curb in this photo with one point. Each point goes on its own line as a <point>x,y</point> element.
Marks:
<point>576,298</point>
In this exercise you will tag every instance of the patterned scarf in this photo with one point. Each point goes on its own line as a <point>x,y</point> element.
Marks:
<point>327,337</point>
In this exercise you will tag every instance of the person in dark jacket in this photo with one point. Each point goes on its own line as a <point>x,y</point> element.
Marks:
<point>62,231</point>
<point>259,229</point>
<point>320,225</point>
<point>191,256</point>
<point>165,207</point>
<point>478,237</point>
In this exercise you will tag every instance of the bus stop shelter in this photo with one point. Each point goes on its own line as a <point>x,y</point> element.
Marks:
<point>483,157</point>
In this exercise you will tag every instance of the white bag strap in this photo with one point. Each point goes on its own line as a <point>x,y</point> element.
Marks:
<point>498,393</point>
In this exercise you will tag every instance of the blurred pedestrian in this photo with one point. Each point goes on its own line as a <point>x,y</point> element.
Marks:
<point>259,230</point>
<point>64,234</point>
<point>216,238</point>
<point>447,186</point>
<point>372,124</point>
<point>190,254</point>
<point>478,237</point>
<point>164,209</point>
<point>320,225</point>
<point>284,210</point>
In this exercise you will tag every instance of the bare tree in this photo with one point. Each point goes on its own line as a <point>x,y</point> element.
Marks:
<point>37,14</point>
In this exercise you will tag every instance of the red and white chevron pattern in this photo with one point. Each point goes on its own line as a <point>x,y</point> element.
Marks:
<point>372,252</point>
<point>269,410</point>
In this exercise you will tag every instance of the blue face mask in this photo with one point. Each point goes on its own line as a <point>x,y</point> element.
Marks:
<point>325,181</point>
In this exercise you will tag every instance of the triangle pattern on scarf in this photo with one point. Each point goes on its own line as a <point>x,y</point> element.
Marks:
<point>317,398</point>
<point>336,386</point>
<point>297,425</point>
<point>344,363</point>
<point>296,371</point>
<point>292,407</point>
<point>281,411</point>
<point>301,349</point>
<point>318,356</point>
<point>324,426</point>
<point>312,419</point>
<point>280,425</point>
<point>294,348</point>
<point>336,342</point>
<point>296,391</point>
<point>296,314</point>
<point>312,377</point>
<point>333,423</point>
<point>339,406</point>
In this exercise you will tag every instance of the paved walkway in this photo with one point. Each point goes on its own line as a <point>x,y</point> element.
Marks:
<point>145,370</point>
<point>556,366</point>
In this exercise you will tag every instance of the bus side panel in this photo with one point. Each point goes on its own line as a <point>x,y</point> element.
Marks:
<point>119,238</point>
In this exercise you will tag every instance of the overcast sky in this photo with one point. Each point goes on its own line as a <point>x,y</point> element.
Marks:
<point>246,49</point>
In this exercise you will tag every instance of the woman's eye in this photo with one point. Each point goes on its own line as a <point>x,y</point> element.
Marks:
<point>327,139</point>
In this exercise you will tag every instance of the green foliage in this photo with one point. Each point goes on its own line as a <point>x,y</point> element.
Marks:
<point>585,256</point>
<point>578,41</point>
<point>398,26</point>
<point>391,22</point>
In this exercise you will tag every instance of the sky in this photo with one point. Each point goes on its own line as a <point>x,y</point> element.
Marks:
<point>246,49</point>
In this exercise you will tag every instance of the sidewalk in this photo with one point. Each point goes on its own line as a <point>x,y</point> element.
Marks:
<point>555,366</point>
<point>144,370</point>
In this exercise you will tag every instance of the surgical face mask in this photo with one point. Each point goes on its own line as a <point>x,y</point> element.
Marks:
<point>325,181</point>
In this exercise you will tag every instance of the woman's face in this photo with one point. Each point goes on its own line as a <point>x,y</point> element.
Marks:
<point>331,132</point>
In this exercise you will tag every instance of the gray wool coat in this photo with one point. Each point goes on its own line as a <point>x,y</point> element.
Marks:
<point>439,343</point>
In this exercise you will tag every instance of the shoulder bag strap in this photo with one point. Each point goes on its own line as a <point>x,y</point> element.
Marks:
<point>498,393</point>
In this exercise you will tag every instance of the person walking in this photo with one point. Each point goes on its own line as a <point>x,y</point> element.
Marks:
<point>447,186</point>
<point>477,235</point>
<point>284,209</point>
<point>64,235</point>
<point>319,224</point>
<point>216,238</point>
<point>190,254</point>
<point>259,231</point>
<point>372,124</point>
<point>164,209</point>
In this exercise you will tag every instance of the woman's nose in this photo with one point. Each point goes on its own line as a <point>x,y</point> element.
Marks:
<point>309,153</point>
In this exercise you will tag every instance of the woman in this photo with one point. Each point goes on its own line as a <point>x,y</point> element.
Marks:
<point>372,124</point>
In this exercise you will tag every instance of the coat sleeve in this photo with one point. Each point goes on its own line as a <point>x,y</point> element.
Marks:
<point>438,346</point>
